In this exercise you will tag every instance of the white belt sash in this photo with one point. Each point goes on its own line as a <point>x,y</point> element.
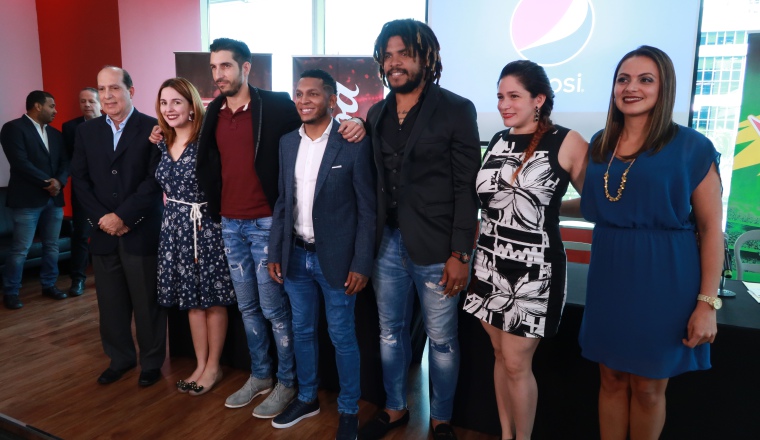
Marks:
<point>195,218</point>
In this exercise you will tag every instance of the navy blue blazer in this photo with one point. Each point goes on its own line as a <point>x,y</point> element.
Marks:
<point>121,181</point>
<point>31,163</point>
<point>69,129</point>
<point>344,208</point>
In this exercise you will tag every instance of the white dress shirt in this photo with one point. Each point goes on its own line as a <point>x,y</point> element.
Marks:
<point>308,161</point>
<point>41,131</point>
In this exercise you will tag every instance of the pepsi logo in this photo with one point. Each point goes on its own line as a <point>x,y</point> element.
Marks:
<point>551,32</point>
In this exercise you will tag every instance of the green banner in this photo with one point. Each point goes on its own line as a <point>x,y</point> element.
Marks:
<point>744,199</point>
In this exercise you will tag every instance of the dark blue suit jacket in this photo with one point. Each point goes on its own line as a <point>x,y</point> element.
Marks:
<point>344,208</point>
<point>121,181</point>
<point>31,163</point>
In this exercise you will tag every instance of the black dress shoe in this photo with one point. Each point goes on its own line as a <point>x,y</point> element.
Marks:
<point>54,293</point>
<point>379,426</point>
<point>12,302</point>
<point>112,375</point>
<point>444,431</point>
<point>77,288</point>
<point>149,377</point>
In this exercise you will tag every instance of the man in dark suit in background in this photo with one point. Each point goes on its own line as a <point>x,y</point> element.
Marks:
<point>39,169</point>
<point>89,104</point>
<point>323,232</point>
<point>427,153</point>
<point>114,166</point>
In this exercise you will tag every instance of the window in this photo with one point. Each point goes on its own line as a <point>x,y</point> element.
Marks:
<point>288,28</point>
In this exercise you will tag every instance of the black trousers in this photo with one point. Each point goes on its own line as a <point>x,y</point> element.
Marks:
<point>80,235</point>
<point>126,284</point>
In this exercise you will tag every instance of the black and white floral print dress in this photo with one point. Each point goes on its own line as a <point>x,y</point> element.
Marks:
<point>520,263</point>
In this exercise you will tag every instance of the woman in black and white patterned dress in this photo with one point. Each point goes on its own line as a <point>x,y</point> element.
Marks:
<point>519,287</point>
<point>193,273</point>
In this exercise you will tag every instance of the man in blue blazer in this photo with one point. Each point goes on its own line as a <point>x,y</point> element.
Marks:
<point>323,229</point>
<point>114,169</point>
<point>39,169</point>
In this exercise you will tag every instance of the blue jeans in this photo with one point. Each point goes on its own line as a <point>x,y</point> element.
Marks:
<point>395,280</point>
<point>25,221</point>
<point>260,299</point>
<point>304,275</point>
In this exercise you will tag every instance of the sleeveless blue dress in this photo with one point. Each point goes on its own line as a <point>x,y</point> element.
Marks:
<point>644,275</point>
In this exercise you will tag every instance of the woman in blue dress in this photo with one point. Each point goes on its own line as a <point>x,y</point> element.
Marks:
<point>653,190</point>
<point>193,273</point>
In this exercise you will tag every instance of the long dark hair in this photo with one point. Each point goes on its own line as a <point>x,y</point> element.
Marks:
<point>533,78</point>
<point>661,126</point>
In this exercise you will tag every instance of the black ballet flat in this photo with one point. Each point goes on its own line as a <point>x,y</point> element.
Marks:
<point>184,387</point>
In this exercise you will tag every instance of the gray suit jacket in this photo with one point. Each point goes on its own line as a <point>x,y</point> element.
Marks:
<point>344,208</point>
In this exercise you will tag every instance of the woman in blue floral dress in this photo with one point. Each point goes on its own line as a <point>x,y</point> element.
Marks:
<point>193,273</point>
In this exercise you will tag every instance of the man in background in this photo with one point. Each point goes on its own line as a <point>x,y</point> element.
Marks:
<point>89,105</point>
<point>39,168</point>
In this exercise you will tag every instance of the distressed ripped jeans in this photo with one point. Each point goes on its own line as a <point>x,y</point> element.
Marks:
<point>259,298</point>
<point>394,280</point>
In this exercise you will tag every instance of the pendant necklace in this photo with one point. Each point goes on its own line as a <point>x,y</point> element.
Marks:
<point>622,179</point>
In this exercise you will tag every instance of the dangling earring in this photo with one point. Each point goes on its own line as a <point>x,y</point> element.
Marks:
<point>191,117</point>
<point>538,114</point>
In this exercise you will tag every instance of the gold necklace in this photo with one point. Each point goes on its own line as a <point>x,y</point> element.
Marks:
<point>622,179</point>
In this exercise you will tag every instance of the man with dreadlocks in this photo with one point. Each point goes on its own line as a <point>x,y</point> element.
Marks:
<point>427,153</point>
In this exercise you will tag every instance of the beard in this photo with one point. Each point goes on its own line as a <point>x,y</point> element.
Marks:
<point>317,117</point>
<point>234,86</point>
<point>412,83</point>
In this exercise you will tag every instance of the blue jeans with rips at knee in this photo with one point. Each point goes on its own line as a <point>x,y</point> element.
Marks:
<point>260,299</point>
<point>394,280</point>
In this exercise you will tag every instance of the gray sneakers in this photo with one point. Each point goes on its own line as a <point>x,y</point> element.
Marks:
<point>253,387</point>
<point>276,402</point>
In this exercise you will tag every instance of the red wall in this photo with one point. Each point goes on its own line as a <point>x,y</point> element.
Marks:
<point>77,38</point>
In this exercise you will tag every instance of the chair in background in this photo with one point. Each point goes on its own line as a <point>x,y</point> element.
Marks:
<point>741,267</point>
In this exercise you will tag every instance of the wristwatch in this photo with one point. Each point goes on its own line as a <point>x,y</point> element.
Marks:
<point>714,301</point>
<point>464,257</point>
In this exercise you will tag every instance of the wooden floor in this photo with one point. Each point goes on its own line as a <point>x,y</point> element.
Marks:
<point>50,358</point>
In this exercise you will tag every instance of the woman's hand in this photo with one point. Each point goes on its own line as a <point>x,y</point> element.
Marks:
<point>702,325</point>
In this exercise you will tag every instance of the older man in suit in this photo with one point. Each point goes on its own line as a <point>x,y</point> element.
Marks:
<point>427,153</point>
<point>323,228</point>
<point>39,169</point>
<point>114,166</point>
<point>89,105</point>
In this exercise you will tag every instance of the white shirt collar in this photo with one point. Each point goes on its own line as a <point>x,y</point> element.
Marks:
<point>324,135</point>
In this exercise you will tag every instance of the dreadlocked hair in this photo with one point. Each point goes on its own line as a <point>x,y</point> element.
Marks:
<point>534,79</point>
<point>419,39</point>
